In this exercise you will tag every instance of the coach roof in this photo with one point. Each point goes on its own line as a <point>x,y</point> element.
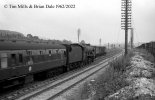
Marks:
<point>28,46</point>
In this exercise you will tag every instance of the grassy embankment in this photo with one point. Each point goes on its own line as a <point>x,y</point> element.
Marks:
<point>108,82</point>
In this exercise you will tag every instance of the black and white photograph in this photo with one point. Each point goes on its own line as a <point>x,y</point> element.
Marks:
<point>77,49</point>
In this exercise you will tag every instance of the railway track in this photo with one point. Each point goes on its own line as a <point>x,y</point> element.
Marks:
<point>55,87</point>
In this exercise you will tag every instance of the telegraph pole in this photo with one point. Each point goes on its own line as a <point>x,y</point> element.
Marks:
<point>79,31</point>
<point>100,42</point>
<point>126,20</point>
<point>132,37</point>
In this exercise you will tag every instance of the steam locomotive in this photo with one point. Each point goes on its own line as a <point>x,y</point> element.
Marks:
<point>21,62</point>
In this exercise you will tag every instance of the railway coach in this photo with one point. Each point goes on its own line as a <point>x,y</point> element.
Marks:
<point>149,47</point>
<point>99,50</point>
<point>153,48</point>
<point>22,59</point>
<point>20,62</point>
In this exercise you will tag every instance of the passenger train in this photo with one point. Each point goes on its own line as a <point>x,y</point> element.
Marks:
<point>24,61</point>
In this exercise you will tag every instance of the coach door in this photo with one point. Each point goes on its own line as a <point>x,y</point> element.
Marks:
<point>4,61</point>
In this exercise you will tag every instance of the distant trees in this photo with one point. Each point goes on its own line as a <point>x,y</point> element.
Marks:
<point>29,36</point>
<point>12,35</point>
<point>32,37</point>
<point>66,42</point>
<point>82,42</point>
<point>6,34</point>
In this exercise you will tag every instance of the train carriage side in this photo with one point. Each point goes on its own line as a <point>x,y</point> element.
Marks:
<point>20,61</point>
<point>100,50</point>
<point>103,50</point>
<point>149,47</point>
<point>153,48</point>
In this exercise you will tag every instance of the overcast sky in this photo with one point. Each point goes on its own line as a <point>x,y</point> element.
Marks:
<point>96,19</point>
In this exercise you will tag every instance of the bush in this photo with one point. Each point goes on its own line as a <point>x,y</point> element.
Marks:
<point>116,79</point>
<point>121,63</point>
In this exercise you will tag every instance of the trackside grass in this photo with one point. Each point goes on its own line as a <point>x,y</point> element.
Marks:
<point>108,82</point>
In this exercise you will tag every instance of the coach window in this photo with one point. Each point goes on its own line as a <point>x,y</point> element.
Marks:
<point>29,53</point>
<point>4,60</point>
<point>13,59</point>
<point>41,52</point>
<point>49,52</point>
<point>57,51</point>
<point>65,53</point>
<point>20,58</point>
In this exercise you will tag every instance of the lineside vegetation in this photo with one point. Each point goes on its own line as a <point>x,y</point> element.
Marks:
<point>105,84</point>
